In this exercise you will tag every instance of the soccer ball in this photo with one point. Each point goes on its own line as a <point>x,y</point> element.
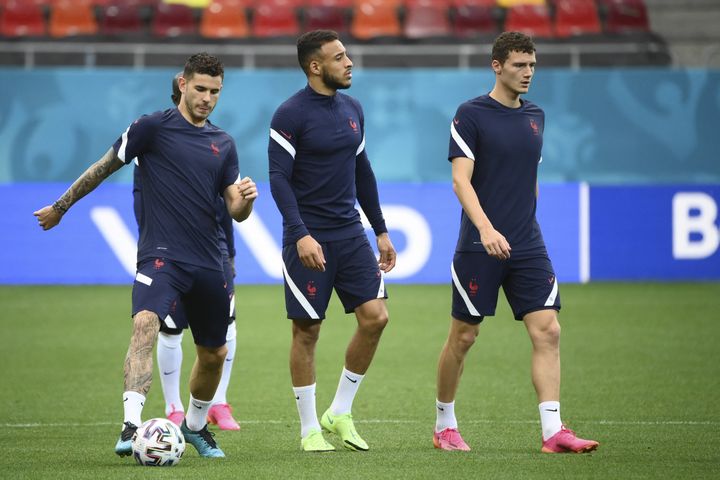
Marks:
<point>158,443</point>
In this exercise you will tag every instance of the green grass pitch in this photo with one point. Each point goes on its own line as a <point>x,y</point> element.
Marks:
<point>641,374</point>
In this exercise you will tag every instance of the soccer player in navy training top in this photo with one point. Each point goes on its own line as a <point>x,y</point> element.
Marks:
<point>185,163</point>
<point>495,149</point>
<point>169,348</point>
<point>318,169</point>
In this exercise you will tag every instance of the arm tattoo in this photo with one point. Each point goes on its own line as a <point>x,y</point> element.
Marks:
<point>89,180</point>
<point>139,360</point>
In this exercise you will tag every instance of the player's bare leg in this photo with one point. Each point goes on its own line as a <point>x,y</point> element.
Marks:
<point>305,335</point>
<point>372,317</point>
<point>544,330</point>
<point>204,379</point>
<point>461,338</point>
<point>138,376</point>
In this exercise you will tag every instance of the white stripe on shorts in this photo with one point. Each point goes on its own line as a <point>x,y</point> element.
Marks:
<point>299,296</point>
<point>143,279</point>
<point>381,290</point>
<point>471,308</point>
<point>169,322</point>
<point>551,299</point>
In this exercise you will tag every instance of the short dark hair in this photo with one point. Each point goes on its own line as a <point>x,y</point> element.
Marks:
<point>176,93</point>
<point>310,43</point>
<point>204,64</point>
<point>508,42</point>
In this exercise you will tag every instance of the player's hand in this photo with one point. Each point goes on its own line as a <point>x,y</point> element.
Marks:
<point>388,255</point>
<point>247,189</point>
<point>48,217</point>
<point>311,253</point>
<point>495,243</point>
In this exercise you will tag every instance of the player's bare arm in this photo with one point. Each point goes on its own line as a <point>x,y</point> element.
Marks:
<point>388,255</point>
<point>493,241</point>
<point>239,198</point>
<point>311,253</point>
<point>50,216</point>
<point>138,361</point>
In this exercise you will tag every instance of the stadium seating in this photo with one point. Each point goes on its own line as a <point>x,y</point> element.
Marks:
<point>426,21</point>
<point>171,20</point>
<point>373,20</point>
<point>224,19</point>
<point>22,19</point>
<point>121,19</point>
<point>474,20</point>
<point>70,18</point>
<point>533,20</point>
<point>275,19</point>
<point>576,17</point>
<point>326,17</point>
<point>625,16</point>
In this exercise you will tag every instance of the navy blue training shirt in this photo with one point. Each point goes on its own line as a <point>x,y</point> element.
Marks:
<point>183,169</point>
<point>506,145</point>
<point>226,235</point>
<point>318,168</point>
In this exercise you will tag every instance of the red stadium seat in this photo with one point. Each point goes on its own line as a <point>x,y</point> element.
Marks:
<point>171,20</point>
<point>331,3</point>
<point>277,19</point>
<point>576,17</point>
<point>375,19</point>
<point>427,3</point>
<point>22,19</point>
<point>70,18</point>
<point>474,3</point>
<point>121,19</point>
<point>224,19</point>
<point>533,20</point>
<point>426,22</point>
<point>326,18</point>
<point>625,16</point>
<point>472,21</point>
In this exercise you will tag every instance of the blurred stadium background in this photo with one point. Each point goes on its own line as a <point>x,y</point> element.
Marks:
<point>631,89</point>
<point>629,194</point>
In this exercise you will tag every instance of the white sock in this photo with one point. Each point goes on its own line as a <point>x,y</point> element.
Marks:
<point>133,403</point>
<point>169,359</point>
<point>345,394</point>
<point>196,417</point>
<point>305,399</point>
<point>550,418</point>
<point>221,392</point>
<point>445,416</point>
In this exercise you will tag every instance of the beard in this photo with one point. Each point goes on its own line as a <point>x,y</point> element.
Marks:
<point>335,83</point>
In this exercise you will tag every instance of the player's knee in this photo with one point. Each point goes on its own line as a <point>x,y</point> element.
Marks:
<point>212,358</point>
<point>465,339</point>
<point>376,322</point>
<point>306,334</point>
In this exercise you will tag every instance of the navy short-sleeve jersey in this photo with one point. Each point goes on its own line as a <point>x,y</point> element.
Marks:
<point>183,169</point>
<point>506,146</point>
<point>318,167</point>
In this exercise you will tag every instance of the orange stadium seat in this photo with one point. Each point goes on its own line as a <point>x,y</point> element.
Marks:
<point>224,20</point>
<point>423,21</point>
<point>474,20</point>
<point>22,19</point>
<point>533,20</point>
<point>120,19</point>
<point>576,17</point>
<point>70,18</point>
<point>373,19</point>
<point>170,20</point>
<point>326,18</point>
<point>276,18</point>
<point>515,3</point>
<point>625,16</point>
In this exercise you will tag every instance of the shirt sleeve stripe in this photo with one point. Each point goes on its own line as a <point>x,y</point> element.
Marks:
<point>460,142</point>
<point>361,147</point>
<point>282,142</point>
<point>123,144</point>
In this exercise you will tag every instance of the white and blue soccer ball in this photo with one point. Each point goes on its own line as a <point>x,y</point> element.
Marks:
<point>158,443</point>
